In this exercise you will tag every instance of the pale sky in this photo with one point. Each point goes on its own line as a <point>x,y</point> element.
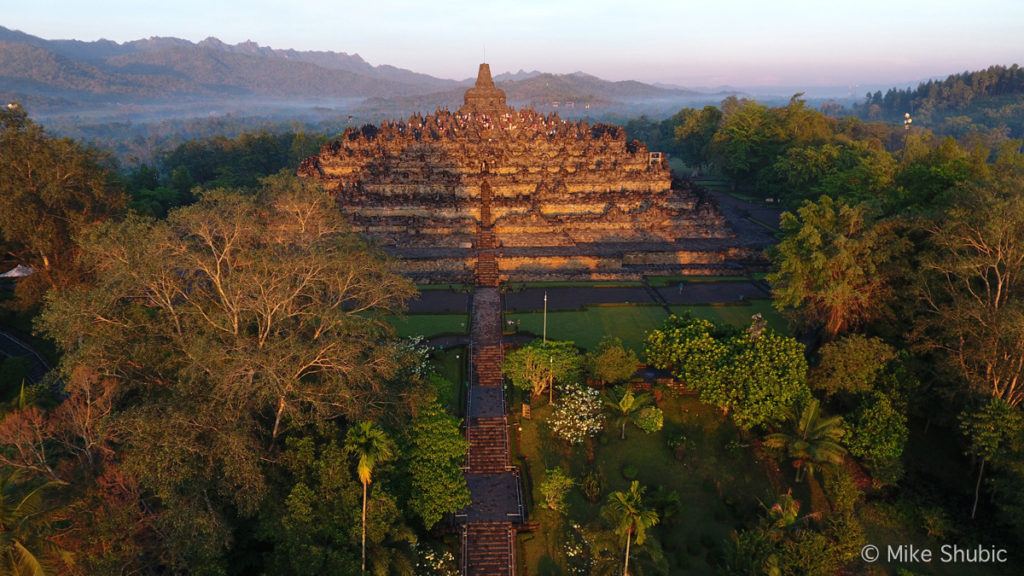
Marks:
<point>689,42</point>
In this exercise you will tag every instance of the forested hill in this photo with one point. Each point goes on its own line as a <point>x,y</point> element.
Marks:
<point>990,98</point>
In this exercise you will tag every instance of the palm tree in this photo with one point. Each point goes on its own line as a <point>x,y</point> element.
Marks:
<point>21,517</point>
<point>626,405</point>
<point>370,446</point>
<point>812,440</point>
<point>626,512</point>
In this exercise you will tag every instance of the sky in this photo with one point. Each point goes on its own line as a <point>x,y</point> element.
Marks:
<point>687,42</point>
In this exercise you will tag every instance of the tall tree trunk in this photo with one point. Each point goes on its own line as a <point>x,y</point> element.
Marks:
<point>625,566</point>
<point>623,435</point>
<point>977,489</point>
<point>364,526</point>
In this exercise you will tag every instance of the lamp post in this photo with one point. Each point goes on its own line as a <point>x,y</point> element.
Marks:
<point>907,120</point>
<point>545,316</point>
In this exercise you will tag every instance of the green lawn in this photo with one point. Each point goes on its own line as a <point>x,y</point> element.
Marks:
<point>737,314</point>
<point>429,325</point>
<point>513,286</point>
<point>718,482</point>
<point>673,280</point>
<point>586,327</point>
<point>632,323</point>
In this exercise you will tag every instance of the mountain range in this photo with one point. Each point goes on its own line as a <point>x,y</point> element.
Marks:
<point>63,75</point>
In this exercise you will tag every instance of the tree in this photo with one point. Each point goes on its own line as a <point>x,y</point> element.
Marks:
<point>237,321</point>
<point>695,132</point>
<point>878,434</point>
<point>538,365</point>
<point>51,189</point>
<point>578,416</point>
<point>811,441</point>
<point>626,406</point>
<point>831,265</point>
<point>687,347</point>
<point>436,454</point>
<point>851,364</point>
<point>760,379</point>
<point>626,513</point>
<point>974,282</point>
<point>370,446</point>
<point>992,430</point>
<point>611,362</point>
<point>555,487</point>
<point>23,526</point>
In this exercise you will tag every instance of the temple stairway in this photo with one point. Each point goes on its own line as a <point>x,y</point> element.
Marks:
<point>488,532</point>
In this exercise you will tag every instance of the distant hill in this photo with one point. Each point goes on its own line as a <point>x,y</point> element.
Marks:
<point>155,68</point>
<point>60,76</point>
<point>984,99</point>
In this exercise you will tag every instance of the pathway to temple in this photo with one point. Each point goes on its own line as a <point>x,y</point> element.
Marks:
<point>489,524</point>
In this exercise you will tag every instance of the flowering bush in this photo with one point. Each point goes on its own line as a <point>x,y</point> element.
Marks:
<point>578,415</point>
<point>650,419</point>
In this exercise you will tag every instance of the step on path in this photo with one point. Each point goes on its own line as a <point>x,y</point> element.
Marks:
<point>488,532</point>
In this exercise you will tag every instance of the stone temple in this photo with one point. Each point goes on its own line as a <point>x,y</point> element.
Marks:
<point>554,199</point>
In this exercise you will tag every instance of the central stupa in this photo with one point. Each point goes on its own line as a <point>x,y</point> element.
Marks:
<point>565,200</point>
<point>484,97</point>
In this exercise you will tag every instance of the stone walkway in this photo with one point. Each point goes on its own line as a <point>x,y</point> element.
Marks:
<point>488,532</point>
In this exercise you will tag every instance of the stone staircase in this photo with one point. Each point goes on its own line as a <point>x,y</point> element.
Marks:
<point>488,446</point>
<point>491,548</point>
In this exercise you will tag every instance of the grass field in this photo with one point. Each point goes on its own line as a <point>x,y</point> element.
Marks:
<point>673,280</point>
<point>632,323</point>
<point>586,327</point>
<point>737,315</point>
<point>514,286</point>
<point>430,325</point>
<point>718,483</point>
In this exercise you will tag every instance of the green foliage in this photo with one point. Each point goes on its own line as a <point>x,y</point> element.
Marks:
<point>611,362</point>
<point>25,526</point>
<point>755,375</point>
<point>628,516</point>
<point>831,265</point>
<point>994,430</point>
<point>694,133</point>
<point>592,485</point>
<point>539,364</point>
<point>650,419</point>
<point>686,346</point>
<point>851,364</point>
<point>436,454</point>
<point>51,189</point>
<point>812,440</point>
<point>878,433</point>
<point>626,406</point>
<point>555,488</point>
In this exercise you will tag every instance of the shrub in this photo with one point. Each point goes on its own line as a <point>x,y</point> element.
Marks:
<point>592,484</point>
<point>578,415</point>
<point>555,487</point>
<point>650,419</point>
<point>629,472</point>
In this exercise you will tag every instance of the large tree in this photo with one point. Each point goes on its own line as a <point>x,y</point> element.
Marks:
<point>812,439</point>
<point>537,366</point>
<point>214,333</point>
<point>973,289</point>
<point>831,266</point>
<point>50,190</point>
<point>437,452</point>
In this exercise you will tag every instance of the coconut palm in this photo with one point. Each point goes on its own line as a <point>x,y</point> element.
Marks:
<point>370,446</point>
<point>812,440</point>
<point>626,405</point>
<point>628,517</point>
<point>21,516</point>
